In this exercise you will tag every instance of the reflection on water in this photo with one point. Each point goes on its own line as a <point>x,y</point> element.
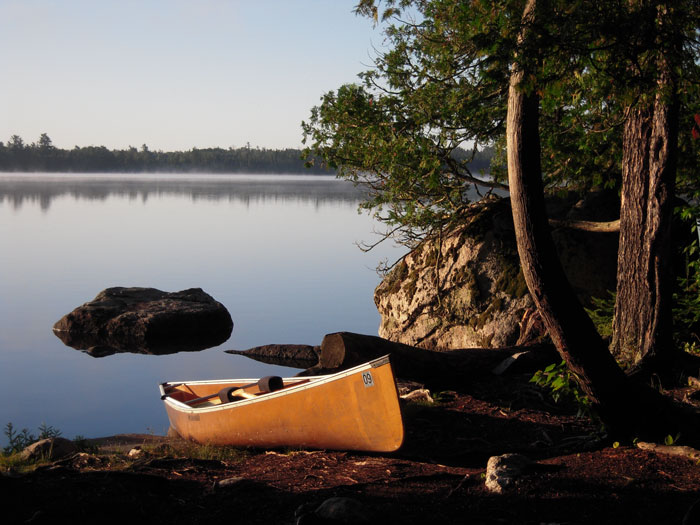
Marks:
<point>277,252</point>
<point>97,345</point>
<point>18,189</point>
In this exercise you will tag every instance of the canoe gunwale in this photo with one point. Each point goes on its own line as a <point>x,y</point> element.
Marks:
<point>339,415</point>
<point>304,383</point>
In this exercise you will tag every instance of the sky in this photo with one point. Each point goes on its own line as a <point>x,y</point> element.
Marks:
<point>174,74</point>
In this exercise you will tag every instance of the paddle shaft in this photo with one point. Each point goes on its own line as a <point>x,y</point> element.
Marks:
<point>240,392</point>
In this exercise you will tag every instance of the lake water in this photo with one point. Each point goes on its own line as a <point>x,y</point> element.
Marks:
<point>278,251</point>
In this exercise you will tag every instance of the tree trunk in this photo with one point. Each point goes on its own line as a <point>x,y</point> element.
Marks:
<point>642,325</point>
<point>570,328</point>
<point>448,369</point>
<point>627,408</point>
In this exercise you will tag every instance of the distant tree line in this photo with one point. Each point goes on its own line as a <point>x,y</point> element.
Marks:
<point>16,155</point>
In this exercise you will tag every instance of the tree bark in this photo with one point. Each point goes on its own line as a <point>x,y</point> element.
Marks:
<point>449,369</point>
<point>627,408</point>
<point>643,325</point>
<point>570,328</point>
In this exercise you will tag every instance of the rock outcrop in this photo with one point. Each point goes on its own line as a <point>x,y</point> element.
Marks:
<point>466,289</point>
<point>294,356</point>
<point>146,320</point>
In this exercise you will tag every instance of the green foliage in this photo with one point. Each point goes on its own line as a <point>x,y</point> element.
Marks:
<point>85,445</point>
<point>671,440</point>
<point>418,128</point>
<point>18,441</point>
<point>47,431</point>
<point>562,386</point>
<point>441,89</point>
<point>691,348</point>
<point>686,299</point>
<point>601,313</point>
<point>192,450</point>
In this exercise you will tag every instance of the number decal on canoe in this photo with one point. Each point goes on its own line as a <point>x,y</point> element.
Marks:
<point>367,378</point>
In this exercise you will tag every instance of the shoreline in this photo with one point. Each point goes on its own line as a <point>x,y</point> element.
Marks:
<point>437,476</point>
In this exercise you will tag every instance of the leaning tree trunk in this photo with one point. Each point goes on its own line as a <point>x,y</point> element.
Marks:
<point>612,394</point>
<point>642,325</point>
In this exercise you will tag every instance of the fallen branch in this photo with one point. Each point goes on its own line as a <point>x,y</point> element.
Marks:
<point>342,350</point>
<point>587,226</point>
<point>671,450</point>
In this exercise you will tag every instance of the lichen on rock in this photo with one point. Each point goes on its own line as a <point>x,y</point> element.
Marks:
<point>467,289</point>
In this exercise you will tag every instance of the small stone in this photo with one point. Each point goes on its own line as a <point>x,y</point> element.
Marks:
<point>503,471</point>
<point>228,482</point>
<point>422,394</point>
<point>135,452</point>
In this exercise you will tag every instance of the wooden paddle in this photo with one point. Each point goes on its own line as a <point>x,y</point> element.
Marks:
<point>265,385</point>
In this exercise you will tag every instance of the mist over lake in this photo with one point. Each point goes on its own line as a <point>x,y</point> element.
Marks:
<point>278,251</point>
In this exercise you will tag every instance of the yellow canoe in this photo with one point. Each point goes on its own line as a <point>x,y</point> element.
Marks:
<point>357,409</point>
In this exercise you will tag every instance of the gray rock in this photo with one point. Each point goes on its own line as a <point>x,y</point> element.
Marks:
<point>49,449</point>
<point>468,290</point>
<point>136,452</point>
<point>146,320</point>
<point>291,355</point>
<point>503,471</point>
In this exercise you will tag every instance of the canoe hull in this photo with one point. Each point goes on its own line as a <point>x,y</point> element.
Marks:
<point>354,410</point>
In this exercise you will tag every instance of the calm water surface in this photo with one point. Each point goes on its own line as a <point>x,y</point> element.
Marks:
<point>278,251</point>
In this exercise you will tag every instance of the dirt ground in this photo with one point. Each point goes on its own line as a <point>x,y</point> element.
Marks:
<point>436,477</point>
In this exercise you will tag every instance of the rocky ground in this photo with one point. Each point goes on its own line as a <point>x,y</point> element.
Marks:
<point>438,476</point>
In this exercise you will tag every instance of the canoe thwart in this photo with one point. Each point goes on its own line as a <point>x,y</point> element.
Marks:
<point>265,385</point>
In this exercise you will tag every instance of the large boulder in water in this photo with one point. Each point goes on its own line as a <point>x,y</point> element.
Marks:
<point>146,320</point>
